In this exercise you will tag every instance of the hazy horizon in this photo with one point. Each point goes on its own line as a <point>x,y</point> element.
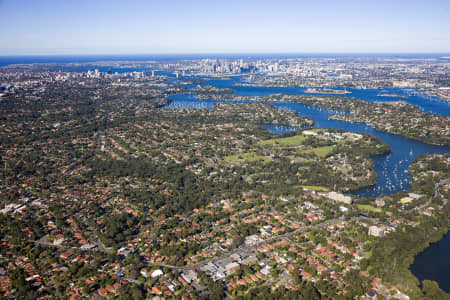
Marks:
<point>289,54</point>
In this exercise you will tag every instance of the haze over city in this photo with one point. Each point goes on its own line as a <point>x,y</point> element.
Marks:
<point>269,150</point>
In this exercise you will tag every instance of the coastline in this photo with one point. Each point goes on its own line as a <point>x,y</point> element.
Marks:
<point>408,240</point>
<point>431,243</point>
<point>415,240</point>
<point>438,95</point>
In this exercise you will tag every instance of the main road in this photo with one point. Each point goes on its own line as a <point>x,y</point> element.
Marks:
<point>251,248</point>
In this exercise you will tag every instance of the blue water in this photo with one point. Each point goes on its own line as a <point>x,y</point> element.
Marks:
<point>29,59</point>
<point>62,59</point>
<point>428,104</point>
<point>191,101</point>
<point>280,129</point>
<point>391,169</point>
<point>188,101</point>
<point>434,263</point>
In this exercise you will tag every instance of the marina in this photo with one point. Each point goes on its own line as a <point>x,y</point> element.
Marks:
<point>391,169</point>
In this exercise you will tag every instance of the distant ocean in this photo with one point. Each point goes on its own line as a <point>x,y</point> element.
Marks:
<point>8,60</point>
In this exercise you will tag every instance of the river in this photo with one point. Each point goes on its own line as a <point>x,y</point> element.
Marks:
<point>392,169</point>
<point>434,263</point>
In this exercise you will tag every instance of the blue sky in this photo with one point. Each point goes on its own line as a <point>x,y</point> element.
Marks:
<point>198,26</point>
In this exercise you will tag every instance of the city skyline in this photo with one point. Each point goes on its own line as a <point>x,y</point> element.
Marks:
<point>142,27</point>
<point>236,149</point>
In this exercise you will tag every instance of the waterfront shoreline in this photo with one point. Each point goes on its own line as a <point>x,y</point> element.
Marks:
<point>445,235</point>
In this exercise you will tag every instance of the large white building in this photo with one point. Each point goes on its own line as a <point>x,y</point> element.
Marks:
<point>376,231</point>
<point>338,197</point>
